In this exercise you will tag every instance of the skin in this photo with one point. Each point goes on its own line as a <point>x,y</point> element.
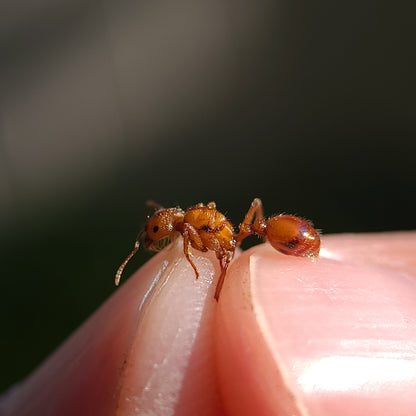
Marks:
<point>289,336</point>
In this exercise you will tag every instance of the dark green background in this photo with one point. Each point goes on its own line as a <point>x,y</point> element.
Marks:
<point>308,105</point>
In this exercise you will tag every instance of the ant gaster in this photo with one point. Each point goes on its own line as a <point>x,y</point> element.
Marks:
<point>204,228</point>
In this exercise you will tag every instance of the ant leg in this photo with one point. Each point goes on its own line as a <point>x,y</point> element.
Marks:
<point>191,237</point>
<point>153,204</point>
<point>254,212</point>
<point>256,208</point>
<point>224,267</point>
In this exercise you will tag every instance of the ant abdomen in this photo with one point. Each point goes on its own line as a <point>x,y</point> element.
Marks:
<point>293,235</point>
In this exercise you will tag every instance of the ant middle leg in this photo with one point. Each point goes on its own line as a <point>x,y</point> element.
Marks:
<point>224,263</point>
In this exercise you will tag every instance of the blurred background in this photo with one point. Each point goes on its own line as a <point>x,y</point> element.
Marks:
<point>105,104</point>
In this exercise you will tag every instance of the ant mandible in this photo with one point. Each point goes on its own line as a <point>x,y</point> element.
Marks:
<point>205,228</point>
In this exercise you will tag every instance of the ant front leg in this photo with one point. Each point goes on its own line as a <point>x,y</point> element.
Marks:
<point>191,237</point>
<point>253,222</point>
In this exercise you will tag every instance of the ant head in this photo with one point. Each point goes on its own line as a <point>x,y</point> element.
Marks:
<point>161,226</point>
<point>158,232</point>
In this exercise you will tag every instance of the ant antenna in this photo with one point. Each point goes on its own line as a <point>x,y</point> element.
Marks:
<point>152,204</point>
<point>123,265</point>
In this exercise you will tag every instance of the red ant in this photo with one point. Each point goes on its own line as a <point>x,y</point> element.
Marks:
<point>205,228</point>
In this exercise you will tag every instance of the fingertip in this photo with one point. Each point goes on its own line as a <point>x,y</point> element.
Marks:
<point>171,360</point>
<point>298,336</point>
<point>147,348</point>
<point>249,379</point>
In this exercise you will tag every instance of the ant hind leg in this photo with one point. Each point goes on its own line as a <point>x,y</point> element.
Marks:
<point>255,212</point>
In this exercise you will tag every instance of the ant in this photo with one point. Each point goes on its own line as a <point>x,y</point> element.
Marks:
<point>204,228</point>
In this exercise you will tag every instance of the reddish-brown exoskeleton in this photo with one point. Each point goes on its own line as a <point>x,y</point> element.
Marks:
<point>202,227</point>
<point>286,233</point>
<point>205,228</point>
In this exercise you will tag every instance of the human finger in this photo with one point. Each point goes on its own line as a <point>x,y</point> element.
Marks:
<point>331,336</point>
<point>147,350</point>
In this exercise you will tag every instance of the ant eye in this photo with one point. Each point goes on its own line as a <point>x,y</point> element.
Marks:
<point>155,229</point>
